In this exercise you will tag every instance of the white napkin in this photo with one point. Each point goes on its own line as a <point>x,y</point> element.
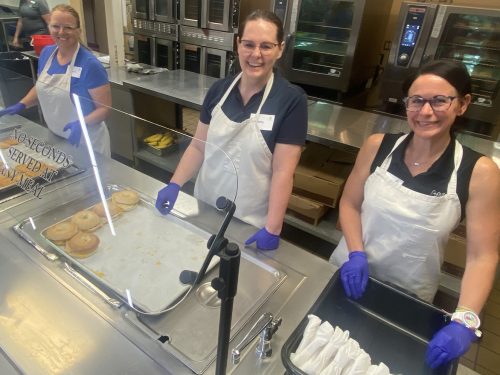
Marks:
<point>309,333</point>
<point>322,336</point>
<point>381,369</point>
<point>359,366</point>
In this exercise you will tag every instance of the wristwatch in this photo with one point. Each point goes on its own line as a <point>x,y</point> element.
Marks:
<point>469,319</point>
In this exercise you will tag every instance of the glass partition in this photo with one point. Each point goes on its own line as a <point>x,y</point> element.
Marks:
<point>94,218</point>
<point>100,217</point>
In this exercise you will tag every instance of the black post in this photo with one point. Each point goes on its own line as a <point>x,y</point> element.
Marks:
<point>226,285</point>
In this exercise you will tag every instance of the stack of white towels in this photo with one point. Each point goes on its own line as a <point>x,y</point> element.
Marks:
<point>325,350</point>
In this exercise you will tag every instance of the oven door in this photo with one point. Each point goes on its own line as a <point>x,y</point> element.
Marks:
<point>165,53</point>
<point>165,10</point>
<point>217,14</point>
<point>192,57</point>
<point>144,51</point>
<point>143,9</point>
<point>216,63</point>
<point>190,13</point>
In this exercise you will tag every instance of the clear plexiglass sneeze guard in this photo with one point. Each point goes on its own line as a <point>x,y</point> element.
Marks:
<point>97,218</point>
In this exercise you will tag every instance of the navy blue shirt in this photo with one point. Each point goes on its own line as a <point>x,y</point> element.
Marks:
<point>287,102</point>
<point>435,180</point>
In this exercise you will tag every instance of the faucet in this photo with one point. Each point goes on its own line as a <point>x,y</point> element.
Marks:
<point>266,326</point>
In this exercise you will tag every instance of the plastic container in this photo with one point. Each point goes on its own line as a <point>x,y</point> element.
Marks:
<point>40,41</point>
<point>391,326</point>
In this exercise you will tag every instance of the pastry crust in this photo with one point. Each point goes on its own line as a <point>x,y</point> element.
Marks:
<point>125,199</point>
<point>21,168</point>
<point>61,232</point>
<point>114,210</point>
<point>86,220</point>
<point>82,245</point>
<point>7,142</point>
<point>5,181</point>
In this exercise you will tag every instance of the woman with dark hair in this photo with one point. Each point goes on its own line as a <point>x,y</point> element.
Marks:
<point>33,19</point>
<point>405,195</point>
<point>257,119</point>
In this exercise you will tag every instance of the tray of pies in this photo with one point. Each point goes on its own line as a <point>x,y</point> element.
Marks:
<point>23,169</point>
<point>124,246</point>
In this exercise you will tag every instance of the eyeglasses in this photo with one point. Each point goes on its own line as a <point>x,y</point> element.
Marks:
<point>265,48</point>
<point>439,103</point>
<point>57,28</point>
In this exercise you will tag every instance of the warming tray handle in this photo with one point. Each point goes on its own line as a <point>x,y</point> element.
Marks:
<point>80,278</point>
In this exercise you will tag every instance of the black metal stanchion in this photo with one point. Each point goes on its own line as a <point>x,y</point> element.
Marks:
<point>226,285</point>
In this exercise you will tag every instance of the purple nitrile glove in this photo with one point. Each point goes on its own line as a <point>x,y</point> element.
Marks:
<point>448,343</point>
<point>354,274</point>
<point>75,132</point>
<point>166,198</point>
<point>14,109</point>
<point>264,239</point>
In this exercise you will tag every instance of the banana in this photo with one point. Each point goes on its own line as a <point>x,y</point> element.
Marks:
<point>153,138</point>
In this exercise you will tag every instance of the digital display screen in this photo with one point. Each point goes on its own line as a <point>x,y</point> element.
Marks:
<point>410,35</point>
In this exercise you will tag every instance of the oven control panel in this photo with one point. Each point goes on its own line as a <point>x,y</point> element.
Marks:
<point>410,34</point>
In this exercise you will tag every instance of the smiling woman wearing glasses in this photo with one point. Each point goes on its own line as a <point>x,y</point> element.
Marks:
<point>407,193</point>
<point>63,69</point>
<point>260,120</point>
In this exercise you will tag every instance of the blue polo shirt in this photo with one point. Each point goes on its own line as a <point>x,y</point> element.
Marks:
<point>92,74</point>
<point>287,102</point>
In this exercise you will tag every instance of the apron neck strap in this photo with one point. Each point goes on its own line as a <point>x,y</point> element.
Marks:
<point>267,90</point>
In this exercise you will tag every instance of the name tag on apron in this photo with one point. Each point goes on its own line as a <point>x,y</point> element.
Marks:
<point>76,72</point>
<point>265,122</point>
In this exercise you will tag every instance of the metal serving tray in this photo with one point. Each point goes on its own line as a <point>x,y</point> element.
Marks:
<point>144,258</point>
<point>391,326</point>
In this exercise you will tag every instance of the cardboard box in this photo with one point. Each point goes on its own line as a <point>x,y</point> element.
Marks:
<point>306,209</point>
<point>321,173</point>
<point>455,252</point>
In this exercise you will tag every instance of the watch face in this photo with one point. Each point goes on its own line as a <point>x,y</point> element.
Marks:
<point>470,319</point>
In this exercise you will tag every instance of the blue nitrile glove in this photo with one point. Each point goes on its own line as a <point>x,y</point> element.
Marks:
<point>14,109</point>
<point>448,343</point>
<point>75,132</point>
<point>166,198</point>
<point>354,274</point>
<point>265,240</point>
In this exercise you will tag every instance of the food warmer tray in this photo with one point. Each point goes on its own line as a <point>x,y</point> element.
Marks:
<point>162,246</point>
<point>391,326</point>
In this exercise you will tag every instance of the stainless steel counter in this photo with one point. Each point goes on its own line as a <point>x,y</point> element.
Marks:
<point>178,86</point>
<point>50,323</point>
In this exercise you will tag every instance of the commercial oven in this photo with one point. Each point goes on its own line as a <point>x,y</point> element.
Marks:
<point>208,52</point>
<point>155,43</point>
<point>143,9</point>
<point>471,35</point>
<point>333,44</point>
<point>165,11</point>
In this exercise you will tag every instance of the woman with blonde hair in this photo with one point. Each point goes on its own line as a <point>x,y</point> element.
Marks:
<point>66,68</point>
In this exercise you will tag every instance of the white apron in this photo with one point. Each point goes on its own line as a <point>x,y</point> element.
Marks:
<point>405,232</point>
<point>246,154</point>
<point>53,93</point>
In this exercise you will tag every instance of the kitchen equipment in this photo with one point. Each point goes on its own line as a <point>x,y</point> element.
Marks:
<point>391,326</point>
<point>471,35</point>
<point>333,44</point>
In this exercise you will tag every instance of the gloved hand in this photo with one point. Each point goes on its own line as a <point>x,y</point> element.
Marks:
<point>14,109</point>
<point>265,240</point>
<point>354,274</point>
<point>166,198</point>
<point>448,343</point>
<point>75,132</point>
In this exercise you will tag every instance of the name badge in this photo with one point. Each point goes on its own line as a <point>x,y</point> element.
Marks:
<point>76,72</point>
<point>264,122</point>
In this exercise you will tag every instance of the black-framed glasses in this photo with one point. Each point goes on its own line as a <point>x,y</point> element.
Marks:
<point>264,47</point>
<point>439,103</point>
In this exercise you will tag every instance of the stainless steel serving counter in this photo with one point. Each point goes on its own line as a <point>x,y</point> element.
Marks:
<point>50,323</point>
